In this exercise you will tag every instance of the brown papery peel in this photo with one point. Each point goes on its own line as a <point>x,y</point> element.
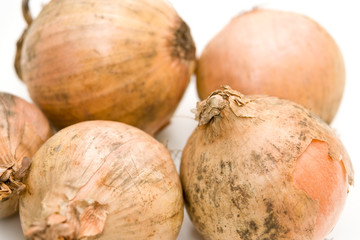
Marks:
<point>23,129</point>
<point>120,60</point>
<point>260,167</point>
<point>102,180</point>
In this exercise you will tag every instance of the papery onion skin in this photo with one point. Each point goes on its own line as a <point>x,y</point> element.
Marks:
<point>245,170</point>
<point>104,180</point>
<point>127,61</point>
<point>23,129</point>
<point>276,53</point>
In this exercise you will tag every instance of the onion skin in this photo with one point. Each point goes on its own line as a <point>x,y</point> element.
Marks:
<point>23,129</point>
<point>276,53</point>
<point>127,61</point>
<point>313,161</point>
<point>245,170</point>
<point>102,180</point>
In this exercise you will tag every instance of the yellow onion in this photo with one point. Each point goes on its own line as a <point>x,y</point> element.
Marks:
<point>261,167</point>
<point>122,60</point>
<point>102,180</point>
<point>276,53</point>
<point>23,129</point>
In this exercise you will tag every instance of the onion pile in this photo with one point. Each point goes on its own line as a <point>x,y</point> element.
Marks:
<point>256,167</point>
<point>23,129</point>
<point>275,53</point>
<point>127,61</point>
<point>260,167</point>
<point>102,180</point>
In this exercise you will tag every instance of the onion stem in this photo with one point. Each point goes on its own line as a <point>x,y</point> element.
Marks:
<point>26,12</point>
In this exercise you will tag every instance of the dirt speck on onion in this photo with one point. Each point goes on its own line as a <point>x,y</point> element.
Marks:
<point>260,167</point>
<point>102,180</point>
<point>276,53</point>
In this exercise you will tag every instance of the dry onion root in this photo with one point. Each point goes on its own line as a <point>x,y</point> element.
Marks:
<point>260,167</point>
<point>102,180</point>
<point>276,53</point>
<point>122,60</point>
<point>23,129</point>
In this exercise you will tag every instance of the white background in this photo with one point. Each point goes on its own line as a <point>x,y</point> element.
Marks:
<point>206,18</point>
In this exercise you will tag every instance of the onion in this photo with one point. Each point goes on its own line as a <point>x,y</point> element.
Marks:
<point>122,60</point>
<point>279,54</point>
<point>23,129</point>
<point>260,167</point>
<point>102,180</point>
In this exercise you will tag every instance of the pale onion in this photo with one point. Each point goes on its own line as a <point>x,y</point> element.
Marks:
<point>23,129</point>
<point>276,53</point>
<point>260,167</point>
<point>102,180</point>
<point>122,60</point>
